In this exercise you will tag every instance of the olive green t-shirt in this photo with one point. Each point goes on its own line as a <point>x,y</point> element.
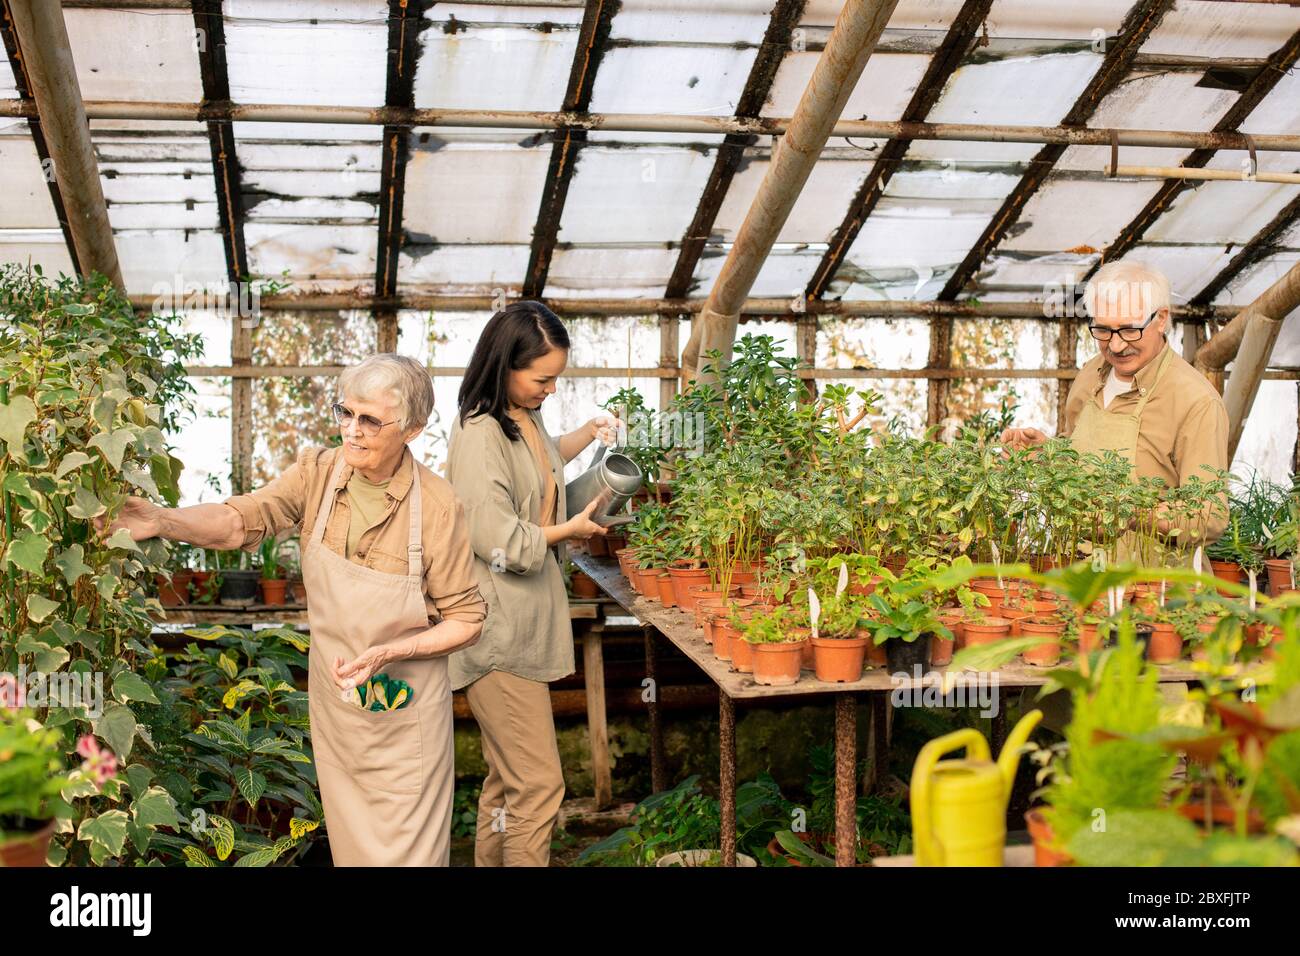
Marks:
<point>369,502</point>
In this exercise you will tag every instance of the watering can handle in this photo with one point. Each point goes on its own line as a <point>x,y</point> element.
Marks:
<point>600,453</point>
<point>977,748</point>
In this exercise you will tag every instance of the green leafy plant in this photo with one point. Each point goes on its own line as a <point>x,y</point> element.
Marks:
<point>31,772</point>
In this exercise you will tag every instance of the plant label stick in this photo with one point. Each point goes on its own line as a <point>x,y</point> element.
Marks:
<point>1198,559</point>
<point>1251,574</point>
<point>997,562</point>
<point>814,609</point>
<point>843,584</point>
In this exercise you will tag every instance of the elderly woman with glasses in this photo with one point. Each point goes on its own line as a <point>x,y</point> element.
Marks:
<point>387,560</point>
<point>1139,398</point>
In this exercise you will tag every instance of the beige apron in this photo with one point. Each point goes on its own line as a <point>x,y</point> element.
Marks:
<point>386,778</point>
<point>1099,430</point>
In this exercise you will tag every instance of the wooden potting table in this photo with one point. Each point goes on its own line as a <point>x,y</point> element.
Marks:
<point>876,685</point>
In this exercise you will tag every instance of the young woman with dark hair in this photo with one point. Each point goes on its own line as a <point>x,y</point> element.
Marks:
<point>509,474</point>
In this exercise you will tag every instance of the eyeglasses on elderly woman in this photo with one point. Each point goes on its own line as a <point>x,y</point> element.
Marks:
<point>368,424</point>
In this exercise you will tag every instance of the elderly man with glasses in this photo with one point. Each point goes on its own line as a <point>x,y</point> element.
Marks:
<point>1139,398</point>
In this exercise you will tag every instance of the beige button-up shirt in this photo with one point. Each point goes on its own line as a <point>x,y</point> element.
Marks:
<point>1184,425</point>
<point>293,499</point>
<point>527,632</point>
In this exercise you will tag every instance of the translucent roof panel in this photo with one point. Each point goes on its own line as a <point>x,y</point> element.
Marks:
<point>1223,29</point>
<point>326,52</point>
<point>821,204</point>
<point>171,260</point>
<point>724,22</point>
<point>461,270</point>
<point>1221,212</point>
<point>1189,268</point>
<point>599,272</point>
<point>785,273</point>
<point>1024,91</point>
<point>1269,437</point>
<point>25,201</point>
<point>498,186</point>
<point>311,210</point>
<point>690,80</point>
<point>1072,213</point>
<point>1252,282</point>
<point>157,179</point>
<point>474,56</point>
<point>882,92</point>
<point>648,194</point>
<point>1161,100</point>
<point>135,54</point>
<point>8,86</point>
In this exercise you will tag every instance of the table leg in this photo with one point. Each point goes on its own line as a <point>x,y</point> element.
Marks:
<point>727,775</point>
<point>593,662</point>
<point>658,771</point>
<point>846,796</point>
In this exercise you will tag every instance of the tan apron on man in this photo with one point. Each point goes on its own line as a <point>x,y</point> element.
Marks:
<point>387,777</point>
<point>1099,430</point>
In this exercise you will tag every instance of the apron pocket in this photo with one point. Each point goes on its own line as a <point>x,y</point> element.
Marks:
<point>381,750</point>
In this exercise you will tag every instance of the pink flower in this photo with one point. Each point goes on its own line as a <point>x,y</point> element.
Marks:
<point>100,763</point>
<point>12,694</point>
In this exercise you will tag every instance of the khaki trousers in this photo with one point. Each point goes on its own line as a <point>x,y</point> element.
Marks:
<point>524,786</point>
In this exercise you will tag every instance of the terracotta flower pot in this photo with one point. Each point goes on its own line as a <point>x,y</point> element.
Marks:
<point>598,546</point>
<point>758,592</point>
<point>684,577</point>
<point>298,590</point>
<point>1226,571</point>
<point>174,591</point>
<point>838,659</point>
<point>613,540</point>
<point>1165,646</point>
<point>1040,831</point>
<point>804,634</point>
<point>648,579</point>
<point>1089,638</point>
<point>721,640</point>
<point>777,665</point>
<point>941,648</point>
<point>273,591</point>
<point>988,630</point>
<point>865,590</point>
<point>742,652</point>
<point>1264,635</point>
<point>1048,653</point>
<point>711,603</point>
<point>1015,616</point>
<point>583,586</point>
<point>667,596</point>
<point>27,850</point>
<point>1279,575</point>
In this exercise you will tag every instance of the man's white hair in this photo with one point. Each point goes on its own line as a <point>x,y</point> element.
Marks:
<point>396,378</point>
<point>1132,288</point>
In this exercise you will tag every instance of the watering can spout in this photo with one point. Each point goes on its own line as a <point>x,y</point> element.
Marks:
<point>1009,759</point>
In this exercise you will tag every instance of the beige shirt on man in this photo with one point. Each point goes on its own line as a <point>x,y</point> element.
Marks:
<point>1184,425</point>
<point>292,501</point>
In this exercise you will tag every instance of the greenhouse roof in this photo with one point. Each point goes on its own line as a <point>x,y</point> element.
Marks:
<point>549,207</point>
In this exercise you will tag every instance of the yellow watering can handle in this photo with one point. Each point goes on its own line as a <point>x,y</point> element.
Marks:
<point>977,749</point>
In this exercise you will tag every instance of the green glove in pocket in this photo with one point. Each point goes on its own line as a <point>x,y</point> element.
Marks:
<point>382,692</point>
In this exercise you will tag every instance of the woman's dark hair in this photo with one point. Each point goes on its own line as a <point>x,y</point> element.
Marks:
<point>513,339</point>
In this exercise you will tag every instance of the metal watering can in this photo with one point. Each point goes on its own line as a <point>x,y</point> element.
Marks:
<point>959,807</point>
<point>615,479</point>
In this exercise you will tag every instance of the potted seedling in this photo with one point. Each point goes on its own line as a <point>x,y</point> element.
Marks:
<point>273,582</point>
<point>174,588</point>
<point>904,624</point>
<point>839,647</point>
<point>291,559</point>
<point>1051,629</point>
<point>206,584</point>
<point>1281,548</point>
<point>776,646</point>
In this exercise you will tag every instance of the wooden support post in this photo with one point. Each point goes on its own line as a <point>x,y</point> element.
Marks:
<point>593,676</point>
<point>241,408</point>
<point>727,774</point>
<point>940,358</point>
<point>386,330</point>
<point>846,762</point>
<point>1067,356</point>
<point>658,770</point>
<point>806,350</point>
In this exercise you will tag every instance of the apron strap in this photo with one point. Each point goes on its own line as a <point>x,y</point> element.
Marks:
<point>326,507</point>
<point>414,548</point>
<point>1160,373</point>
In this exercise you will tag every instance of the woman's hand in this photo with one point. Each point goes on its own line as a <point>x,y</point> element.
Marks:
<point>604,429</point>
<point>580,527</point>
<point>350,675</point>
<point>140,517</point>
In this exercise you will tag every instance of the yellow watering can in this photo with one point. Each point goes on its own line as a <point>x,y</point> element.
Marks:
<point>959,807</point>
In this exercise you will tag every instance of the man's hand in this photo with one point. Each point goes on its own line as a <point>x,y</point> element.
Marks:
<point>1018,439</point>
<point>139,516</point>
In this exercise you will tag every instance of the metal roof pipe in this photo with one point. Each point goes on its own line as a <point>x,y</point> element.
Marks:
<point>1248,340</point>
<point>850,45</point>
<point>52,74</point>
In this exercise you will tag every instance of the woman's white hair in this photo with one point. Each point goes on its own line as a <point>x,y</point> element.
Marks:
<point>399,379</point>
<point>1127,288</point>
